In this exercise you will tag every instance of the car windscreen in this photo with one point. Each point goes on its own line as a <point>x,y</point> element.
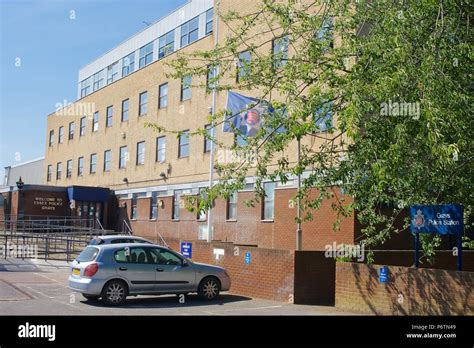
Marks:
<point>88,254</point>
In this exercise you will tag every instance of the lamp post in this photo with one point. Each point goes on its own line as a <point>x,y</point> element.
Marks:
<point>20,184</point>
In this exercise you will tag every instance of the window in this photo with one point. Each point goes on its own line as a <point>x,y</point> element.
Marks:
<point>232,207</point>
<point>207,141</point>
<point>82,126</point>
<point>51,137</point>
<point>269,201</point>
<point>134,255</point>
<point>243,65</point>
<point>209,15</point>
<point>186,88</point>
<point>142,108</point>
<point>280,51</point>
<point>134,206</point>
<point>176,203</point>
<point>95,122</point>
<point>80,166</point>
<point>125,110</point>
<point>128,64</point>
<point>123,157</point>
<point>49,173</point>
<point>146,55</point>
<point>107,158</point>
<point>154,206</point>
<point>112,73</point>
<point>59,166</point>
<point>183,144</point>
<point>71,130</point>
<point>140,153</point>
<point>164,257</point>
<point>86,87</point>
<point>61,135</point>
<point>161,149</point>
<point>323,117</point>
<point>69,168</point>
<point>166,44</point>
<point>93,164</point>
<point>189,31</point>
<point>163,96</point>
<point>325,34</point>
<point>110,115</point>
<point>98,81</point>
<point>212,72</point>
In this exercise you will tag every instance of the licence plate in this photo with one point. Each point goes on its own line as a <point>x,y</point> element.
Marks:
<point>76,271</point>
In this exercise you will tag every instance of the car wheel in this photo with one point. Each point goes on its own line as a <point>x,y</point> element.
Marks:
<point>90,297</point>
<point>209,288</point>
<point>114,293</point>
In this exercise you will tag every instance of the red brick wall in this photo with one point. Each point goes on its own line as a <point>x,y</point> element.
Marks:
<point>409,291</point>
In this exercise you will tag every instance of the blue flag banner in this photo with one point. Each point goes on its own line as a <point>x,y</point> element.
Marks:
<point>245,114</point>
<point>440,219</point>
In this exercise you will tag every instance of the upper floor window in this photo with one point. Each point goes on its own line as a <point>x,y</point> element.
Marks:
<point>166,44</point>
<point>82,126</point>
<point>212,72</point>
<point>61,135</point>
<point>160,149</point>
<point>71,130</point>
<point>128,64</point>
<point>209,16</point>
<point>325,34</point>
<point>123,157</point>
<point>51,137</point>
<point>110,114</point>
<point>268,201</point>
<point>163,96</point>
<point>59,167</point>
<point>143,103</point>
<point>280,51</point>
<point>323,117</point>
<point>140,153</point>
<point>186,88</point>
<point>98,81</point>
<point>93,164</point>
<point>49,173</point>
<point>146,55</point>
<point>189,31</point>
<point>125,110</point>
<point>243,65</point>
<point>80,166</point>
<point>86,87</point>
<point>95,122</point>
<point>183,144</point>
<point>69,168</point>
<point>207,141</point>
<point>112,72</point>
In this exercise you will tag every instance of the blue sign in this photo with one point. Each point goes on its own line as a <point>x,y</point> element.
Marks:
<point>440,219</point>
<point>247,258</point>
<point>383,275</point>
<point>187,249</point>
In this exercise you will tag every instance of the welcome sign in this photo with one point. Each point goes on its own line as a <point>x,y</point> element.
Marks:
<point>440,219</point>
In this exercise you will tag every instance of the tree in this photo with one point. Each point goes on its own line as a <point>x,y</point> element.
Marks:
<point>396,75</point>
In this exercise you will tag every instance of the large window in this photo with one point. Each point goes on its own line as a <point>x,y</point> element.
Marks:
<point>209,15</point>
<point>49,173</point>
<point>95,122</point>
<point>186,88</point>
<point>154,206</point>
<point>134,206</point>
<point>98,81</point>
<point>68,168</point>
<point>212,71</point>
<point>243,65</point>
<point>110,115</point>
<point>86,87</point>
<point>325,34</point>
<point>232,207</point>
<point>82,126</point>
<point>207,141</point>
<point>189,31</point>
<point>128,64</point>
<point>61,135</point>
<point>142,108</point>
<point>80,166</point>
<point>146,55</point>
<point>176,203</point>
<point>183,144</point>
<point>323,117</point>
<point>166,44</point>
<point>268,201</point>
<point>59,167</point>
<point>93,164</point>
<point>160,149</point>
<point>163,96</point>
<point>51,137</point>
<point>107,158</point>
<point>280,51</point>
<point>140,153</point>
<point>112,72</point>
<point>125,110</point>
<point>71,130</point>
<point>123,157</point>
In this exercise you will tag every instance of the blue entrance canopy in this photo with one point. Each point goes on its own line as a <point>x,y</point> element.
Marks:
<point>88,194</point>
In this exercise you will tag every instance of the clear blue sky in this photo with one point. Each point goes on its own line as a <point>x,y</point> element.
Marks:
<point>52,48</point>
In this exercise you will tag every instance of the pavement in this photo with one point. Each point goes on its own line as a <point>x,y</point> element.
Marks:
<point>38,287</point>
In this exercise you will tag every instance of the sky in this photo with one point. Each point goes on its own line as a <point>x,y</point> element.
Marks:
<point>43,44</point>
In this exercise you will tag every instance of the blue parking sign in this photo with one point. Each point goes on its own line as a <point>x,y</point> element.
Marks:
<point>186,249</point>
<point>247,258</point>
<point>383,275</point>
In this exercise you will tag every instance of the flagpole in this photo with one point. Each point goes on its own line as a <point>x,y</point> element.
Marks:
<point>299,232</point>
<point>210,232</point>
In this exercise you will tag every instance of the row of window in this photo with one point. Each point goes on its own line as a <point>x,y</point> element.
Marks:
<point>268,204</point>
<point>166,45</point>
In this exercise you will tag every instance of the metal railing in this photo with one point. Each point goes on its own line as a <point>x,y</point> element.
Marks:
<point>126,228</point>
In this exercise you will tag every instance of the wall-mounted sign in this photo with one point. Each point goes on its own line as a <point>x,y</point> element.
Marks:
<point>440,219</point>
<point>186,249</point>
<point>48,203</point>
<point>247,258</point>
<point>383,274</point>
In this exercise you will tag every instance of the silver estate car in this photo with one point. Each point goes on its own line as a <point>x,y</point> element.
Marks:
<point>114,271</point>
<point>118,238</point>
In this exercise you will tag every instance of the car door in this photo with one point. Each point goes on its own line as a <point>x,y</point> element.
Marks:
<point>133,263</point>
<point>173,274</point>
